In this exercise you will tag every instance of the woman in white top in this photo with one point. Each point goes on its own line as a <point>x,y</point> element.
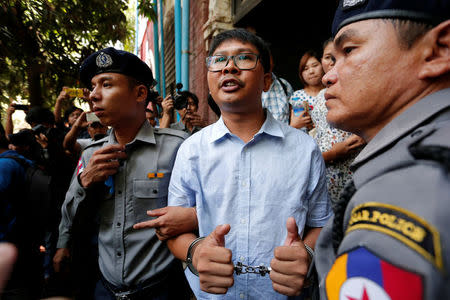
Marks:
<point>310,73</point>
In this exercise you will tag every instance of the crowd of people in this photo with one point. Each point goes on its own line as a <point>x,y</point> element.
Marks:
<point>334,191</point>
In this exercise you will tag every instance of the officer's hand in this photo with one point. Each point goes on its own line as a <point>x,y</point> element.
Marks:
<point>8,255</point>
<point>303,120</point>
<point>290,263</point>
<point>171,221</point>
<point>103,163</point>
<point>213,262</point>
<point>61,257</point>
<point>167,105</point>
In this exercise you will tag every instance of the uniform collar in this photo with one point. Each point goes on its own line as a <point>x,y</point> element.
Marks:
<point>269,127</point>
<point>405,123</point>
<point>145,134</point>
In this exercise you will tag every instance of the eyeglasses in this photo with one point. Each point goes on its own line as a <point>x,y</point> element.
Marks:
<point>243,61</point>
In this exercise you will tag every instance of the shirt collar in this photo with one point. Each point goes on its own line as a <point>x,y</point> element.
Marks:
<point>145,134</point>
<point>269,127</point>
<point>404,124</point>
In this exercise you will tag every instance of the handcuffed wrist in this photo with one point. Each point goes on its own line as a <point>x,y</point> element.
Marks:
<point>190,255</point>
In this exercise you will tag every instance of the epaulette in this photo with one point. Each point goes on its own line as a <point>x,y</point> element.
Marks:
<point>98,142</point>
<point>173,132</point>
<point>434,146</point>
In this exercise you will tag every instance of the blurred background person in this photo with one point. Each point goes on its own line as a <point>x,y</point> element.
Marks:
<point>18,224</point>
<point>151,115</point>
<point>276,99</point>
<point>310,73</point>
<point>71,113</point>
<point>190,121</point>
<point>74,145</point>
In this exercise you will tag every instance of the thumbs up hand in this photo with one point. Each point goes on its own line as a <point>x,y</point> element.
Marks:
<point>213,262</point>
<point>290,263</point>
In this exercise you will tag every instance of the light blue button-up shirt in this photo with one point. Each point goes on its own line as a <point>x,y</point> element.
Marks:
<point>254,187</point>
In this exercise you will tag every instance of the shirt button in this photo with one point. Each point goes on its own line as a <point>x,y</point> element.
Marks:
<point>155,191</point>
<point>243,221</point>
<point>241,258</point>
<point>244,184</point>
<point>119,254</point>
<point>242,295</point>
<point>119,192</point>
<point>118,224</point>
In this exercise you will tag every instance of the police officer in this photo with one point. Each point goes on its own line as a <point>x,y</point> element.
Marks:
<point>118,179</point>
<point>390,238</point>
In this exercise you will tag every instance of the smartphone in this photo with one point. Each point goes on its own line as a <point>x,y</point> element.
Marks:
<point>21,106</point>
<point>74,92</point>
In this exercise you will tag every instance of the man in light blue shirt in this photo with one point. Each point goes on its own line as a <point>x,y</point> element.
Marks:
<point>251,173</point>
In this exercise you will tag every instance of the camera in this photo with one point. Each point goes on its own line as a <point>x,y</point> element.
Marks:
<point>38,129</point>
<point>21,106</point>
<point>74,92</point>
<point>179,101</point>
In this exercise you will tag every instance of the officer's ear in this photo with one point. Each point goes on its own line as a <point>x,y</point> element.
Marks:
<point>436,57</point>
<point>142,92</point>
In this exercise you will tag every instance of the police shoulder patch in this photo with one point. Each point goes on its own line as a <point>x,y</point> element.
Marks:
<point>361,275</point>
<point>401,224</point>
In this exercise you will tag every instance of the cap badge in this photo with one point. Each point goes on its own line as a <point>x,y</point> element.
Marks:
<point>103,60</point>
<point>351,3</point>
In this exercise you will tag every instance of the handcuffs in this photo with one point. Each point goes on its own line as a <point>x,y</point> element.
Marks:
<point>241,268</point>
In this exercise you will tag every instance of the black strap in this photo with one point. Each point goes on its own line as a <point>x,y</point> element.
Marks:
<point>339,211</point>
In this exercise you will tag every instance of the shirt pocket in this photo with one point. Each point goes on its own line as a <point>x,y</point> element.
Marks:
<point>148,195</point>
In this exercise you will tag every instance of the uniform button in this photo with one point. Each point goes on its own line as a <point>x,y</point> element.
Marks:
<point>119,192</point>
<point>119,254</point>
<point>155,191</point>
<point>119,224</point>
<point>416,133</point>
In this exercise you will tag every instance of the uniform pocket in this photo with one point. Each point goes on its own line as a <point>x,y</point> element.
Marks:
<point>148,195</point>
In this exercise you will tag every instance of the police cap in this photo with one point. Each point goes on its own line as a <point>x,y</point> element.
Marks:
<point>111,60</point>
<point>427,11</point>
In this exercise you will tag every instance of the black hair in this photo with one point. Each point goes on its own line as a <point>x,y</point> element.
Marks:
<point>408,31</point>
<point>70,110</point>
<point>325,43</point>
<point>188,94</point>
<point>40,115</point>
<point>244,36</point>
<point>151,94</point>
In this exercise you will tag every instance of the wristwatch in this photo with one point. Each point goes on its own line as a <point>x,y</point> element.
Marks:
<point>189,255</point>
